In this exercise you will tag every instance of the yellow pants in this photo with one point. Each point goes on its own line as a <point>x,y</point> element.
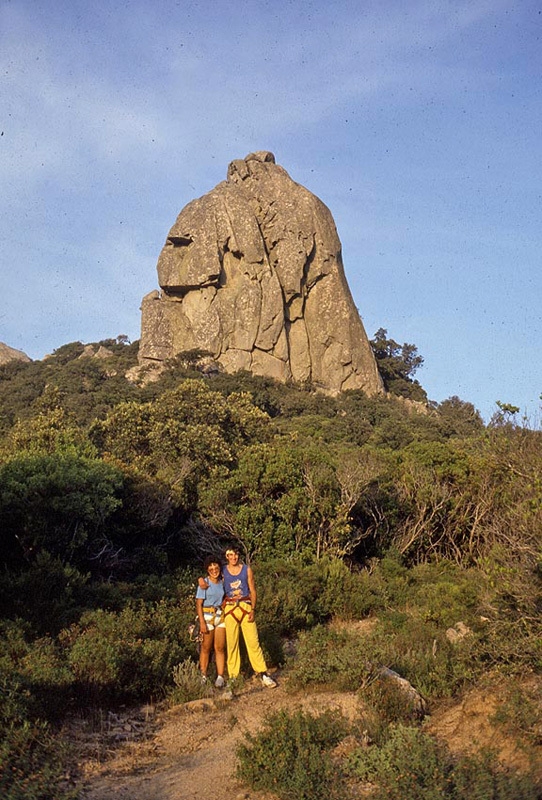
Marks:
<point>250,635</point>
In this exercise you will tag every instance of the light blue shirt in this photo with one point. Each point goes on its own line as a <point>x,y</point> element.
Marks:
<point>213,595</point>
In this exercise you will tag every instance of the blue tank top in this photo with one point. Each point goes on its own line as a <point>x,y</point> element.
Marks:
<point>236,586</point>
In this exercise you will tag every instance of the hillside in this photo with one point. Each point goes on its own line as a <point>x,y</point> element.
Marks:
<point>411,515</point>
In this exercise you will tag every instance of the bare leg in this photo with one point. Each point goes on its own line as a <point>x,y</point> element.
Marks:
<point>220,650</point>
<point>205,651</point>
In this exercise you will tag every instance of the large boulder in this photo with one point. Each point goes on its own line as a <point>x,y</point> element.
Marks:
<point>10,354</point>
<point>252,273</point>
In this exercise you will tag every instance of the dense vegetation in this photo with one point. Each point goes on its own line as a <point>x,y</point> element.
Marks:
<point>112,491</point>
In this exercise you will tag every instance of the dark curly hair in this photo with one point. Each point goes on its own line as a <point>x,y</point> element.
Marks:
<point>212,560</point>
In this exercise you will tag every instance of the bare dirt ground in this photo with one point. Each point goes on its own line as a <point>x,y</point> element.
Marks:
<point>188,752</point>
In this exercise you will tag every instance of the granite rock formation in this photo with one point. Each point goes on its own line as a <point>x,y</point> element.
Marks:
<point>11,354</point>
<point>252,273</point>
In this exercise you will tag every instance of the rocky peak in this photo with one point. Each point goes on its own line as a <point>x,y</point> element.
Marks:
<point>252,274</point>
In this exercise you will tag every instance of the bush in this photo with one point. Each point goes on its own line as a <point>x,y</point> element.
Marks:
<point>337,659</point>
<point>32,764</point>
<point>521,712</point>
<point>295,596</point>
<point>390,702</point>
<point>35,680</point>
<point>289,595</point>
<point>346,660</point>
<point>272,645</point>
<point>129,654</point>
<point>49,594</point>
<point>420,652</point>
<point>188,684</point>
<point>444,593</point>
<point>291,756</point>
<point>513,645</point>
<point>410,764</point>
<point>55,502</point>
<point>346,594</point>
<point>482,777</point>
<point>440,592</point>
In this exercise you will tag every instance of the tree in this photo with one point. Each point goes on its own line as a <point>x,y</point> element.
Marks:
<point>294,498</point>
<point>181,435</point>
<point>262,500</point>
<point>505,416</point>
<point>459,418</point>
<point>397,365</point>
<point>56,503</point>
<point>50,429</point>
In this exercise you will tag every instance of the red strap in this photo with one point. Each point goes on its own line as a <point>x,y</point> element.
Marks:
<point>235,606</point>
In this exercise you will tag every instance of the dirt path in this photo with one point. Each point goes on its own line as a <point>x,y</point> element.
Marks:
<point>191,753</point>
<point>188,752</point>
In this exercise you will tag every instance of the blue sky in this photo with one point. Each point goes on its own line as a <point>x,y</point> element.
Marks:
<point>417,123</point>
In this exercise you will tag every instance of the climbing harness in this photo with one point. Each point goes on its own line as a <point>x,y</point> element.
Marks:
<point>234,607</point>
<point>217,614</point>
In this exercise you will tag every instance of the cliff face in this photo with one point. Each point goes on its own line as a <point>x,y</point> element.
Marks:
<point>252,273</point>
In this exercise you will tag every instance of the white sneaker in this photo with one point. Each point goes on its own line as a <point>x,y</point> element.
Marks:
<point>220,682</point>
<point>268,681</point>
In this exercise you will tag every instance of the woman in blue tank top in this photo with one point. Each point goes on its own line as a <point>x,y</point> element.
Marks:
<point>239,611</point>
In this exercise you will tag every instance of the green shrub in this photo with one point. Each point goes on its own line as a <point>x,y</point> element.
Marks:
<point>390,702</point>
<point>129,654</point>
<point>482,777</point>
<point>49,594</point>
<point>334,658</point>
<point>32,764</point>
<point>346,594</point>
<point>188,683</point>
<point>346,659</point>
<point>439,592</point>
<point>417,648</point>
<point>521,713</point>
<point>291,757</point>
<point>420,652</point>
<point>294,596</point>
<point>55,502</point>
<point>445,594</point>
<point>289,595</point>
<point>35,683</point>
<point>410,764</point>
<point>272,645</point>
<point>35,680</point>
<point>511,644</point>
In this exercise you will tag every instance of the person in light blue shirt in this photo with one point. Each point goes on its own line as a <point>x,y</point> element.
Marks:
<point>211,620</point>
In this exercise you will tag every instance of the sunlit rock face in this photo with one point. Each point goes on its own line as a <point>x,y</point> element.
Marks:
<point>252,273</point>
<point>8,354</point>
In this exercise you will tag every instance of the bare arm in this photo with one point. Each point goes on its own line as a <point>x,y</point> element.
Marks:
<point>199,610</point>
<point>252,591</point>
